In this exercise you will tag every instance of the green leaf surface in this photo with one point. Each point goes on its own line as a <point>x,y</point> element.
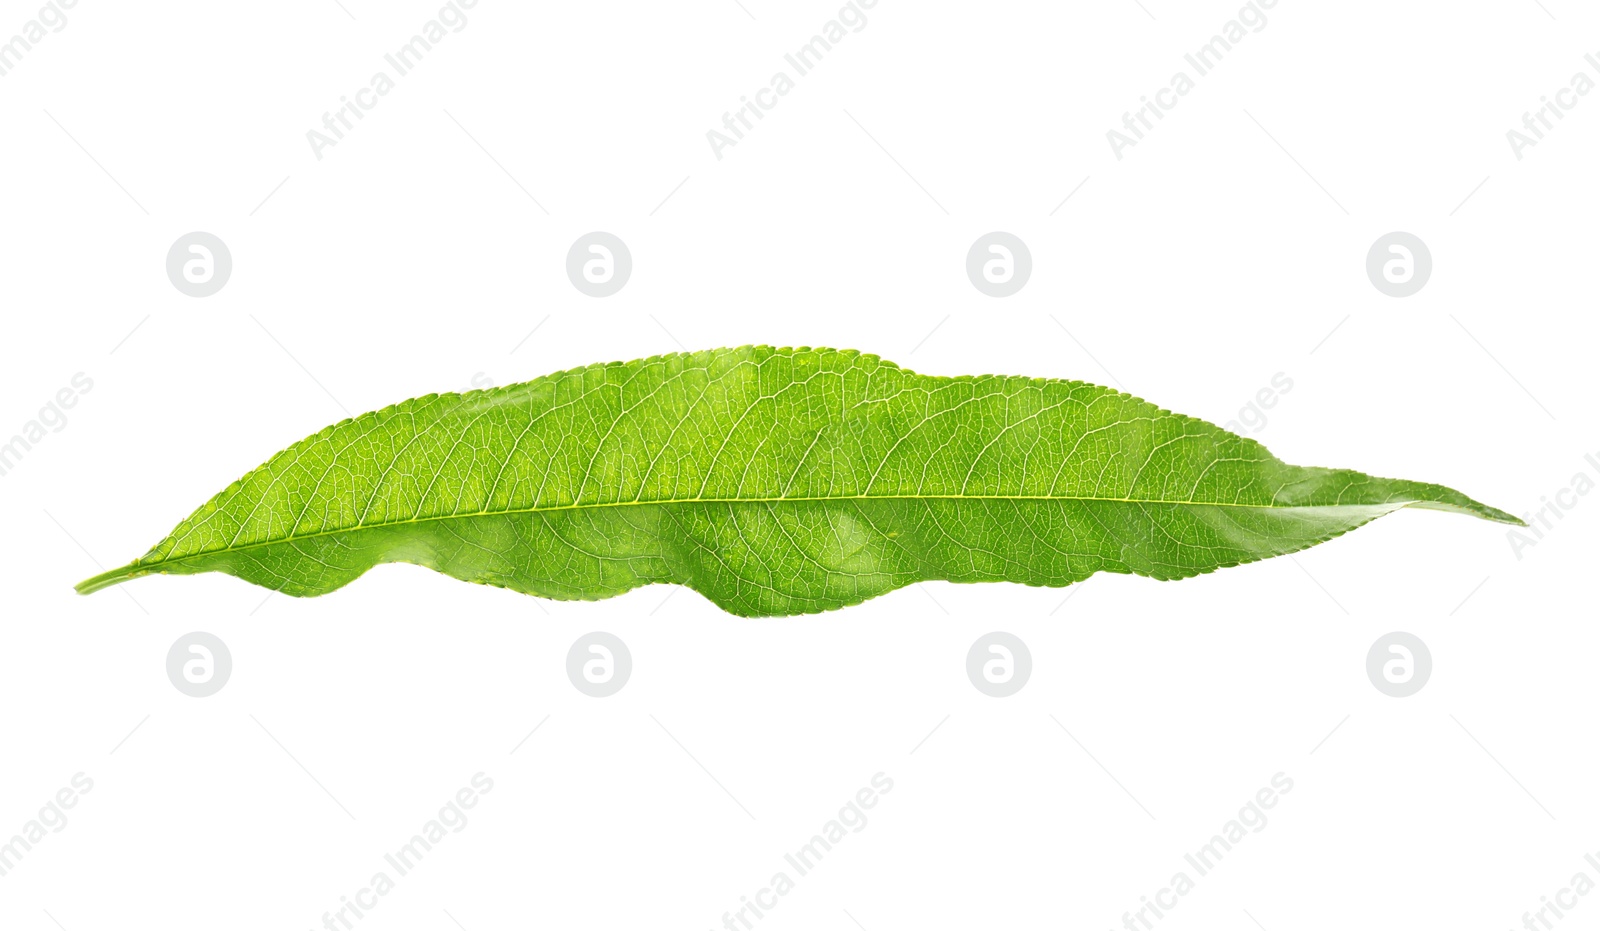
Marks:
<point>772,481</point>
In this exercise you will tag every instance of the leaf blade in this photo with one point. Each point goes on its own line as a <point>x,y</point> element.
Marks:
<point>773,481</point>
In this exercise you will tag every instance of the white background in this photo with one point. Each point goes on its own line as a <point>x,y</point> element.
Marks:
<point>415,256</point>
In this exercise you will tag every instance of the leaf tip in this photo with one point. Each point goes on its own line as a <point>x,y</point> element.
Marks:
<point>1471,508</point>
<point>1498,516</point>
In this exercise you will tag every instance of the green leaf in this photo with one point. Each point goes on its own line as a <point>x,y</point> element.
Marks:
<point>772,481</point>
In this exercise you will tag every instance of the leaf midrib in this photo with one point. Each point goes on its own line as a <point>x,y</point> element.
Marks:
<point>817,499</point>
